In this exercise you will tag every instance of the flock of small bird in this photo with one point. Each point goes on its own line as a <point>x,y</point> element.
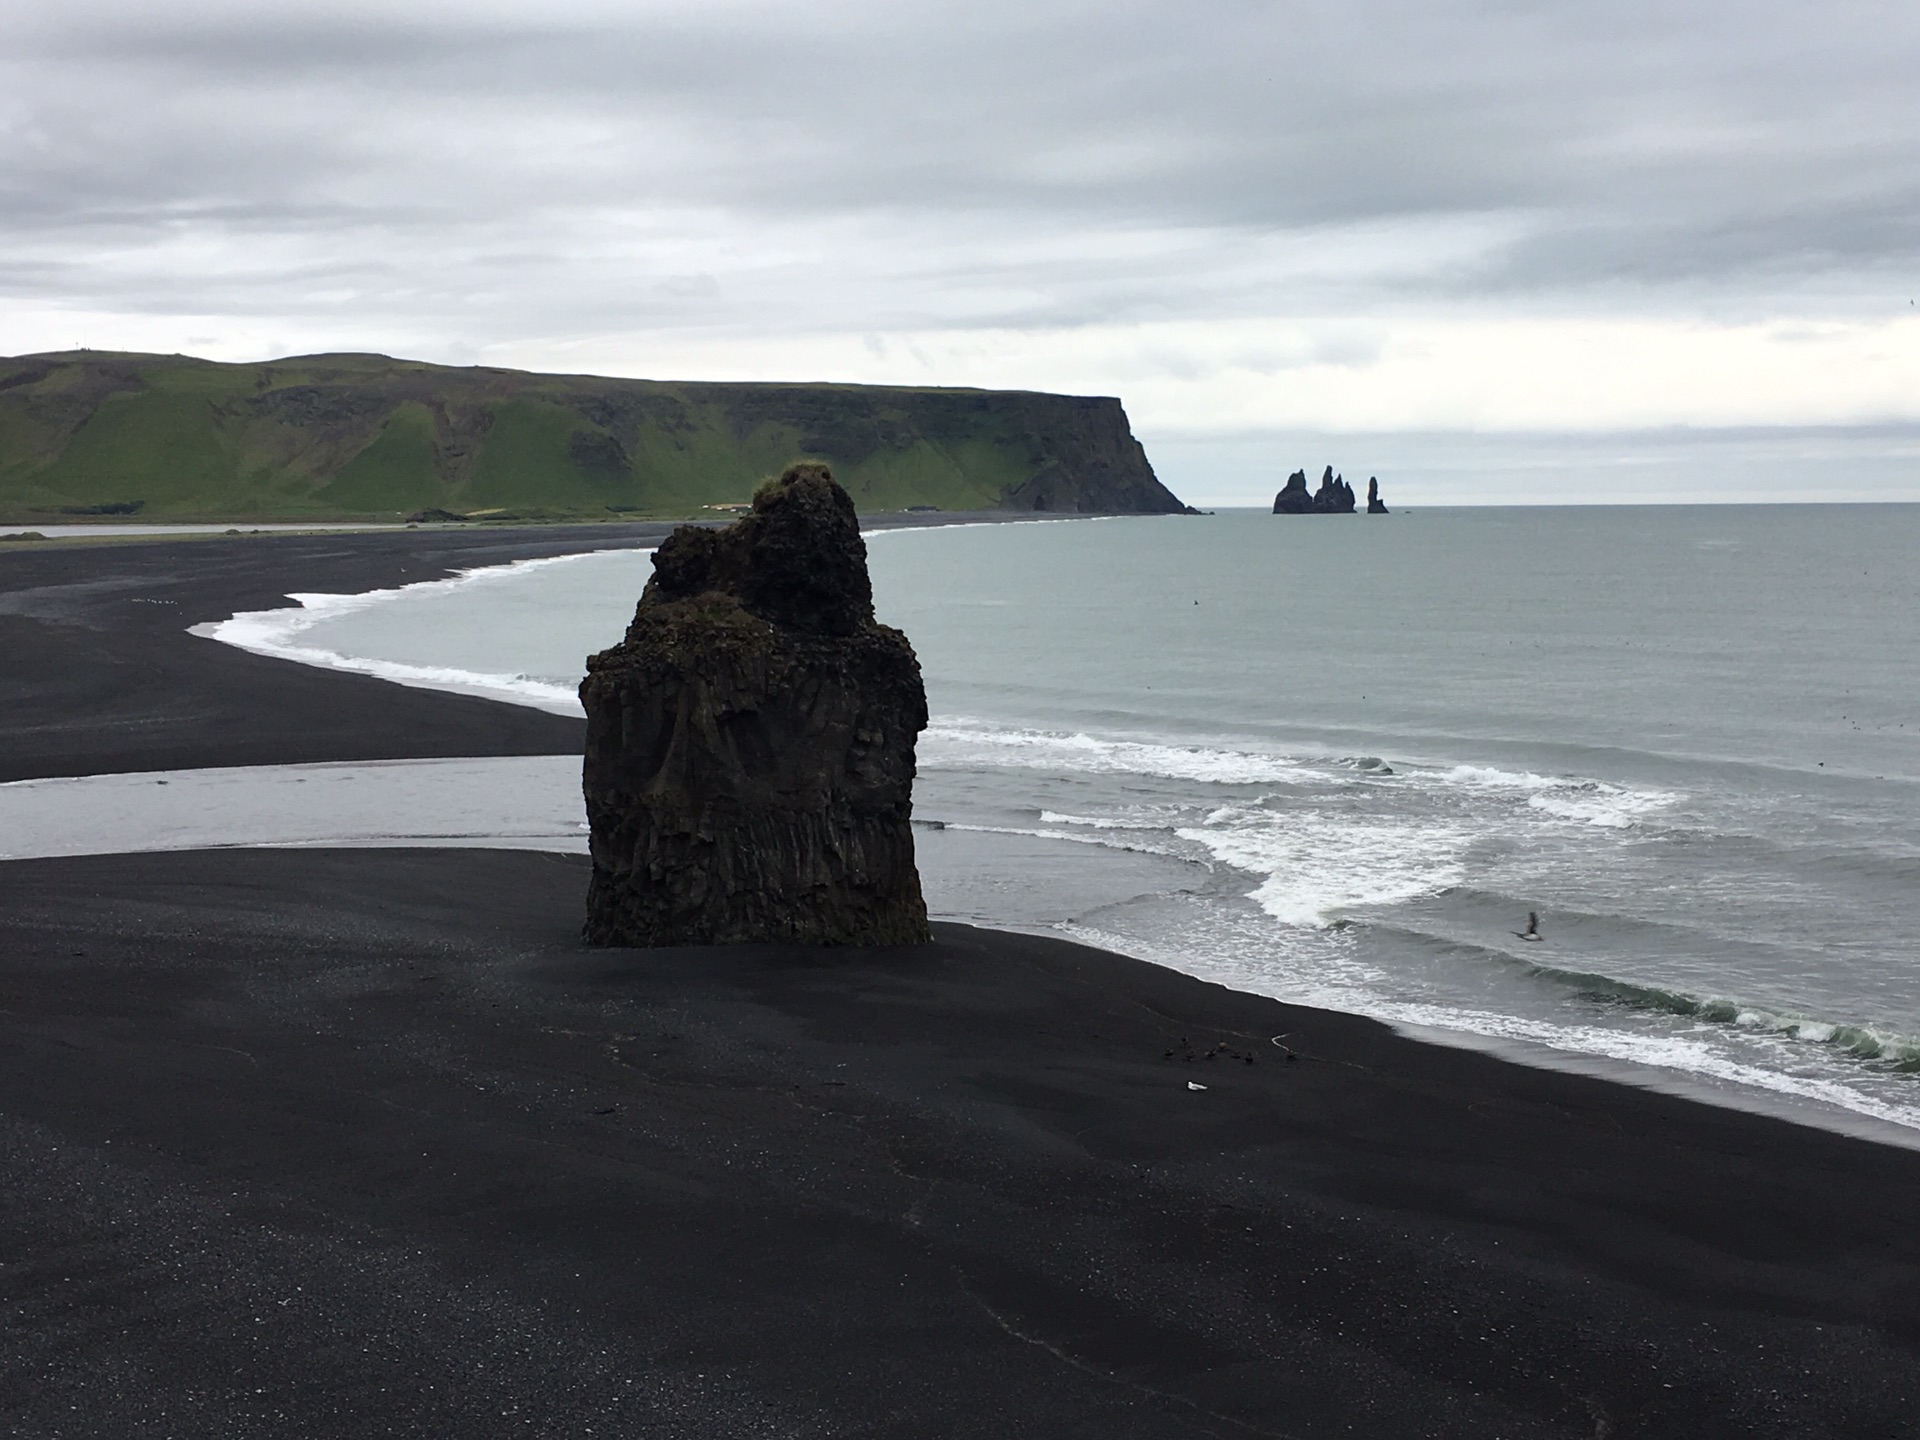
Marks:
<point>1222,1051</point>
<point>1187,1052</point>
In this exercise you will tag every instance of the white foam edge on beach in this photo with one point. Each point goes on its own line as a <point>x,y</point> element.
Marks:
<point>277,633</point>
<point>1672,1063</point>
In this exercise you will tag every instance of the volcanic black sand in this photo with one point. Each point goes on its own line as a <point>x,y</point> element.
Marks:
<point>99,674</point>
<point>366,1143</point>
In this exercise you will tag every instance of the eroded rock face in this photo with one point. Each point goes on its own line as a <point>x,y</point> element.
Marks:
<point>749,765</point>
<point>1294,499</point>
<point>1335,496</point>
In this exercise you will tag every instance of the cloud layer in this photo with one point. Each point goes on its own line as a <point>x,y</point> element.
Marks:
<point>1239,215</point>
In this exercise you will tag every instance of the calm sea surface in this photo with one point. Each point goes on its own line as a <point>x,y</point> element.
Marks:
<point>1338,760</point>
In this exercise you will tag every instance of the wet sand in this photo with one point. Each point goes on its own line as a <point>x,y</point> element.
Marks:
<point>330,1142</point>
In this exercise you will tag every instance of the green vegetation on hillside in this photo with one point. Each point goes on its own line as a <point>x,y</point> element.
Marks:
<point>396,471</point>
<point>364,437</point>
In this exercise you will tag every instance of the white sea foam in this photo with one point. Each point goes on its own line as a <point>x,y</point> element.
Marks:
<point>1607,806</point>
<point>1590,802</point>
<point>1686,1054</point>
<point>958,743</point>
<point>278,633</point>
<point>1330,984</point>
<point>1125,817</point>
<point>1103,841</point>
<point>1490,777</point>
<point>1314,868</point>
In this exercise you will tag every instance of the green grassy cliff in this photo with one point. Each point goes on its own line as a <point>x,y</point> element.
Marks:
<point>364,437</point>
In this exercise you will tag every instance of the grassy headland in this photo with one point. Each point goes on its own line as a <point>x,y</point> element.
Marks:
<point>366,437</point>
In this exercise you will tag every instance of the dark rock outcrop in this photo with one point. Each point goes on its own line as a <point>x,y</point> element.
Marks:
<point>1294,499</point>
<point>1334,497</point>
<point>1375,505</point>
<point>749,765</point>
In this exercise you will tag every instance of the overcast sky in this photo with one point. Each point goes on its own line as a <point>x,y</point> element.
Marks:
<point>1253,222</point>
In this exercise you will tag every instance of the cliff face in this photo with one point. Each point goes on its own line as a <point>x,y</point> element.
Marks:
<point>369,437</point>
<point>750,743</point>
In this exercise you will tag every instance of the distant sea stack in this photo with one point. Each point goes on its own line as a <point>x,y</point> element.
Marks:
<point>1375,505</point>
<point>366,437</point>
<point>1294,499</point>
<point>750,743</point>
<point>1334,497</point>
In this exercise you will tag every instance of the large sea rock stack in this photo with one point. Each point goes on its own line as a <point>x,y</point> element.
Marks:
<point>1334,497</point>
<point>1294,499</point>
<point>1375,505</point>
<point>749,767</point>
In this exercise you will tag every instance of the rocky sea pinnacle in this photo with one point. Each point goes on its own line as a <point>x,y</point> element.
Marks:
<point>750,743</point>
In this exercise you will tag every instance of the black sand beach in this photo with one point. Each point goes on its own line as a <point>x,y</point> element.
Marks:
<point>327,1142</point>
<point>100,675</point>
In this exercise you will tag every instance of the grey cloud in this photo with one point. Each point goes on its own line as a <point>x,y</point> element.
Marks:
<point>1641,152</point>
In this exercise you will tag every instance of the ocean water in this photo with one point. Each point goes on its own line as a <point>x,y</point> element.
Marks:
<point>1339,759</point>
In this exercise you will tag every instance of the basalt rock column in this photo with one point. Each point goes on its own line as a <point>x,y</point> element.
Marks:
<point>749,766</point>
